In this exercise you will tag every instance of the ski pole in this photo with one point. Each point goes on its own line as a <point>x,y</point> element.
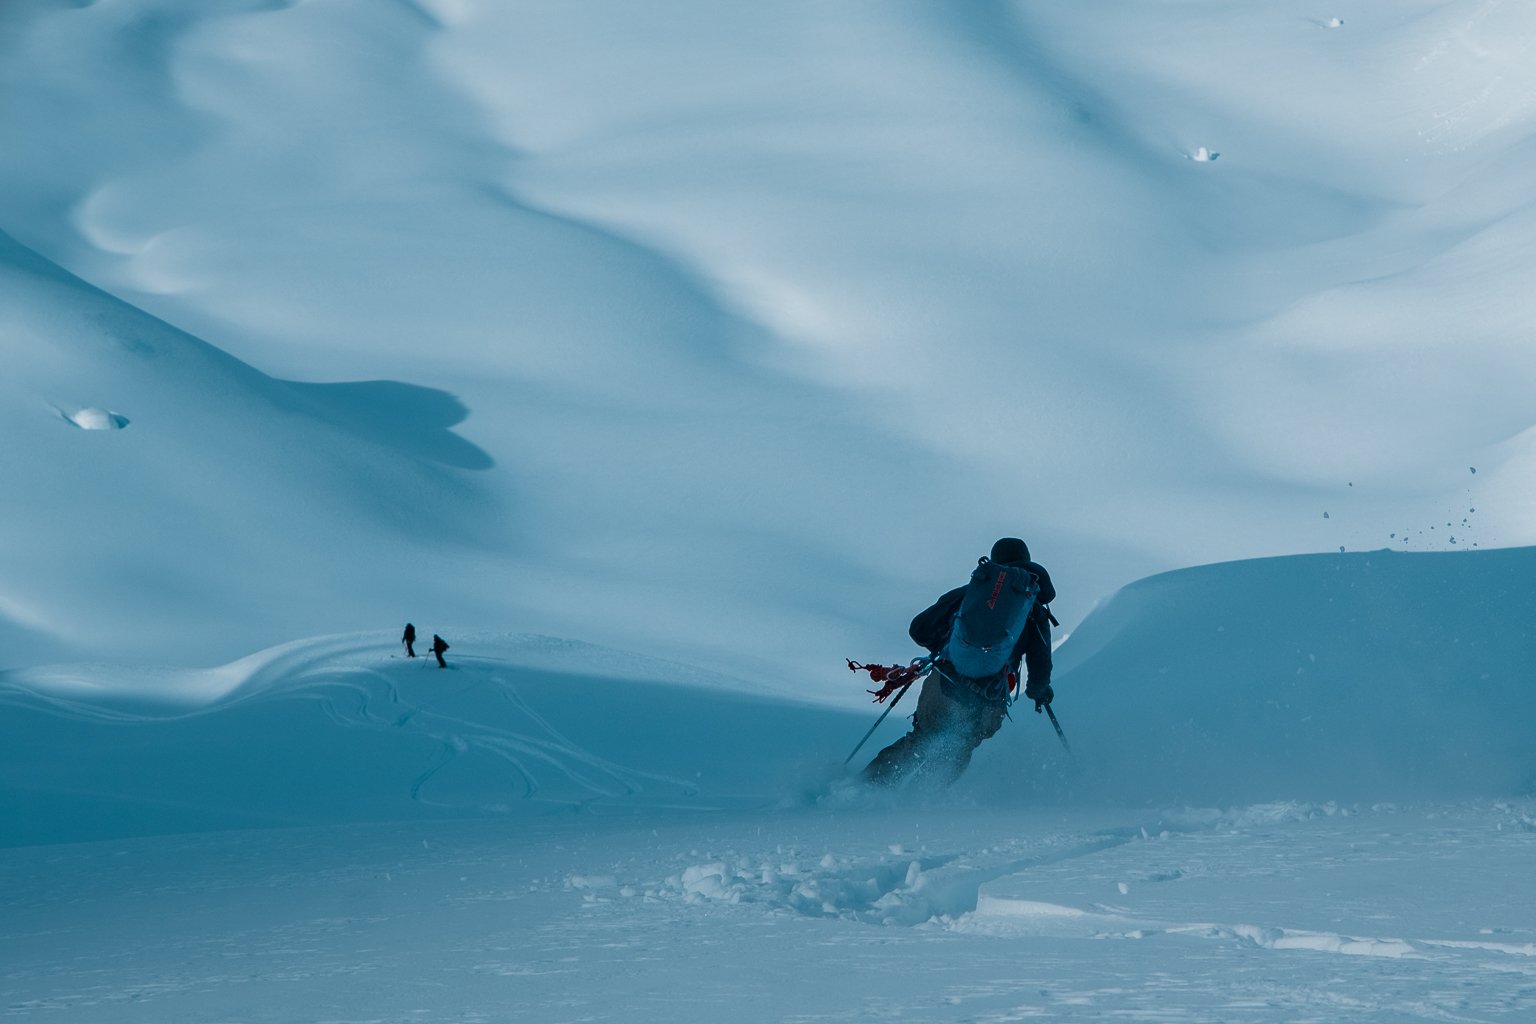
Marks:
<point>889,708</point>
<point>1059,734</point>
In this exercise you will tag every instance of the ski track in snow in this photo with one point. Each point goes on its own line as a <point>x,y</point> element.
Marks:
<point>528,752</point>
<point>529,745</point>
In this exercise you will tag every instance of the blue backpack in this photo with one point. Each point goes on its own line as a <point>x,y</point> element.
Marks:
<point>991,619</point>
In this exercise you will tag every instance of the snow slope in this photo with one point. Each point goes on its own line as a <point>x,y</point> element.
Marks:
<point>132,539</point>
<point>681,322</point>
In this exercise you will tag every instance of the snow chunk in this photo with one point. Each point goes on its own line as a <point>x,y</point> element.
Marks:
<point>97,419</point>
<point>710,881</point>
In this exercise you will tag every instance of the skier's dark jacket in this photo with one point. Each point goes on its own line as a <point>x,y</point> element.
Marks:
<point>931,627</point>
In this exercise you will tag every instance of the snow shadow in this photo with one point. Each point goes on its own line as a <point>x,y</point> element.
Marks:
<point>413,420</point>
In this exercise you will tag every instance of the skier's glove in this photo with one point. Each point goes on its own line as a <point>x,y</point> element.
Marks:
<point>1041,695</point>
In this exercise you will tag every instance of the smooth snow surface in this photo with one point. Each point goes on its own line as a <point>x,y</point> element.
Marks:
<point>660,356</point>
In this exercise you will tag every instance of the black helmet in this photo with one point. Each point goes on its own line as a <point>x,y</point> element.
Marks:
<point>1009,550</point>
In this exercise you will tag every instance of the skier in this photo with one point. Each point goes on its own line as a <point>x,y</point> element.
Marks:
<point>955,713</point>
<point>409,639</point>
<point>439,645</point>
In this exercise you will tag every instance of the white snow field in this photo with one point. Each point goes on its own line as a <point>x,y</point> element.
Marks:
<point>660,356</point>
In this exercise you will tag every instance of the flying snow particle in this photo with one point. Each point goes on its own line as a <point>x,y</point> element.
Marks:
<point>1473,469</point>
<point>1325,515</point>
<point>1334,23</point>
<point>1201,155</point>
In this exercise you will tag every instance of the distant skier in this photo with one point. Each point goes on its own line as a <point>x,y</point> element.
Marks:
<point>439,645</point>
<point>956,711</point>
<point>409,639</point>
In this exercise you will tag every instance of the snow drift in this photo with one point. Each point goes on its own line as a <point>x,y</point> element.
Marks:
<point>1351,676</point>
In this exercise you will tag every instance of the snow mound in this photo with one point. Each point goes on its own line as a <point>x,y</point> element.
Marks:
<point>1323,677</point>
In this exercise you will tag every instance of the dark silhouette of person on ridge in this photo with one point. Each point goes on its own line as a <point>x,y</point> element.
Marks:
<point>409,639</point>
<point>439,645</point>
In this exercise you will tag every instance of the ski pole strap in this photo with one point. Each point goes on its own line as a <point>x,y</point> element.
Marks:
<point>894,677</point>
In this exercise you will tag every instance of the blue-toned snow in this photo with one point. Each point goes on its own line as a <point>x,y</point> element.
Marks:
<point>1250,823</point>
<point>730,335</point>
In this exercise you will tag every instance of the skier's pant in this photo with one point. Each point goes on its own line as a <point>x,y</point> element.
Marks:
<point>951,721</point>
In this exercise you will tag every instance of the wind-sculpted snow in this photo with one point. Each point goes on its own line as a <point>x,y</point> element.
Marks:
<point>825,300</point>
<point>731,334</point>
